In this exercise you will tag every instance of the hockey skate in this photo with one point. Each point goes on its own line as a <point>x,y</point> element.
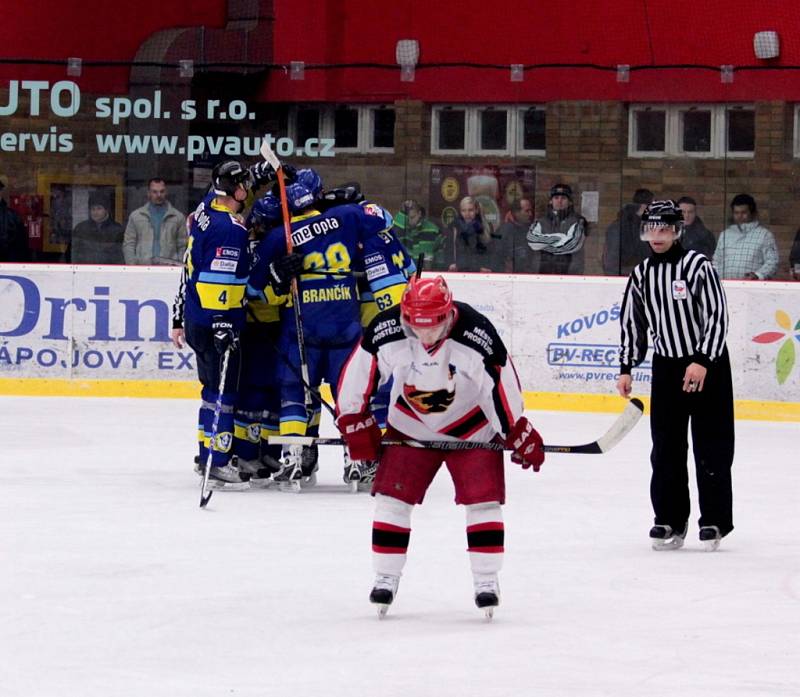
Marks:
<point>710,536</point>
<point>266,468</point>
<point>310,464</point>
<point>228,477</point>
<point>664,538</point>
<point>383,592</point>
<point>359,474</point>
<point>487,593</point>
<point>291,472</point>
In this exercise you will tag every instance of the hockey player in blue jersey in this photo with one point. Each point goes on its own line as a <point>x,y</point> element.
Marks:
<point>217,267</point>
<point>332,244</point>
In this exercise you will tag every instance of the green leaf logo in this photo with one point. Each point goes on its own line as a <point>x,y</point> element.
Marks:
<point>785,361</point>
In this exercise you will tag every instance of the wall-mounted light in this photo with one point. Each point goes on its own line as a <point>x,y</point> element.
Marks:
<point>517,72</point>
<point>407,55</point>
<point>623,73</point>
<point>726,74</point>
<point>297,70</point>
<point>74,67</point>
<point>186,68</point>
<point>766,44</point>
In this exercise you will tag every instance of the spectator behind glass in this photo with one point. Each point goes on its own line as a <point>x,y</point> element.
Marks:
<point>97,240</point>
<point>469,239</point>
<point>794,258</point>
<point>559,235</point>
<point>156,232</point>
<point>511,253</point>
<point>13,234</point>
<point>746,249</point>
<point>419,234</point>
<point>695,235</point>
<point>624,248</point>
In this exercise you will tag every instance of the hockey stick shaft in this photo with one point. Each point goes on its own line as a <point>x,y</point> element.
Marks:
<point>205,494</point>
<point>269,156</point>
<point>619,429</point>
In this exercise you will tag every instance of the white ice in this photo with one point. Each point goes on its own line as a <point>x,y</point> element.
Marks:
<point>113,582</point>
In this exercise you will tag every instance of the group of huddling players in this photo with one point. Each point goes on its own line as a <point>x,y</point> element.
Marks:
<point>235,294</point>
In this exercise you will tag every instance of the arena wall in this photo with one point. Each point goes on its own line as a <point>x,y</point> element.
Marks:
<point>105,331</point>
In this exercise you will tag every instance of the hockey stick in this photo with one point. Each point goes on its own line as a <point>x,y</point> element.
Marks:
<point>269,156</point>
<point>205,492</point>
<point>619,429</point>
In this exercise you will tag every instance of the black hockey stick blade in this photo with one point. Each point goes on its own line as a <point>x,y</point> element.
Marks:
<point>205,492</point>
<point>410,442</point>
<point>619,429</point>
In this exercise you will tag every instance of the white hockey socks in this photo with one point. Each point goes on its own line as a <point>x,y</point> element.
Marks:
<point>485,537</point>
<point>391,529</point>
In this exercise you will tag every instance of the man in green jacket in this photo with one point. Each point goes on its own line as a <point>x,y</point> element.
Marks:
<point>419,234</point>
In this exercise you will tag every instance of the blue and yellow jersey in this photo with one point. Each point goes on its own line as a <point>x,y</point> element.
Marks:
<point>260,308</point>
<point>217,265</point>
<point>335,243</point>
<point>389,276</point>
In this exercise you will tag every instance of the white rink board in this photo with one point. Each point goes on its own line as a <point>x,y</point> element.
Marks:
<point>113,323</point>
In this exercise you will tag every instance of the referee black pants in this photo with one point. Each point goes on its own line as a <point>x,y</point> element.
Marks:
<point>711,415</point>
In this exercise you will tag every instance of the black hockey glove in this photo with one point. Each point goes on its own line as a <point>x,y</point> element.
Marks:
<point>262,174</point>
<point>224,336</point>
<point>283,270</point>
<point>340,195</point>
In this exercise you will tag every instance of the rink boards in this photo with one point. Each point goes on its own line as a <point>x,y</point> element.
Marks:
<point>105,331</point>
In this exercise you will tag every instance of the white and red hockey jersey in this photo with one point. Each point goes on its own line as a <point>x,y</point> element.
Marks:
<point>464,388</point>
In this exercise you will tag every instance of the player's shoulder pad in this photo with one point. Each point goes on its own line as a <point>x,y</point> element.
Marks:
<point>474,330</point>
<point>384,329</point>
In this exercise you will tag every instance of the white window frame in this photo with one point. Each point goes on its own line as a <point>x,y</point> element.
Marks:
<point>472,123</point>
<point>438,109</point>
<point>369,126</point>
<point>365,137</point>
<point>673,127</point>
<point>476,145</point>
<point>519,120</point>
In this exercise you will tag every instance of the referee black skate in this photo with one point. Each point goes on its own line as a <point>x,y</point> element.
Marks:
<point>676,297</point>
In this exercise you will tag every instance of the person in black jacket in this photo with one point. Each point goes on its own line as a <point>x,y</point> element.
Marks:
<point>13,234</point>
<point>97,240</point>
<point>675,296</point>
<point>696,235</point>
<point>623,247</point>
<point>794,258</point>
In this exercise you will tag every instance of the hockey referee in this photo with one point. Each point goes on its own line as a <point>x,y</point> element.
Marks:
<point>676,297</point>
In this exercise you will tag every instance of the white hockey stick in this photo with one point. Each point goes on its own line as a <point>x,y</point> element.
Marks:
<point>205,492</point>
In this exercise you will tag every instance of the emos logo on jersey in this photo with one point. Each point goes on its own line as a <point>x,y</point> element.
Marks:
<point>227,253</point>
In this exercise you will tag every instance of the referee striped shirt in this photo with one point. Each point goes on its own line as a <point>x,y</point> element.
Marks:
<point>676,297</point>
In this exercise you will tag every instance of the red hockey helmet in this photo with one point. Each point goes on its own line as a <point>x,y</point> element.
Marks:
<point>426,302</point>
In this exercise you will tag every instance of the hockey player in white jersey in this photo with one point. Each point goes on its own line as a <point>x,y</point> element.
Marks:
<point>454,383</point>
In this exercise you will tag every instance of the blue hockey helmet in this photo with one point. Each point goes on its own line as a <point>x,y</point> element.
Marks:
<point>299,197</point>
<point>266,212</point>
<point>310,179</point>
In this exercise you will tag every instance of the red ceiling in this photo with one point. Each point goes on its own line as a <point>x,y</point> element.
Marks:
<point>636,32</point>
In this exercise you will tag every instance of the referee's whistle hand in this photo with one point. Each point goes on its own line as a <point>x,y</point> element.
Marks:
<point>624,385</point>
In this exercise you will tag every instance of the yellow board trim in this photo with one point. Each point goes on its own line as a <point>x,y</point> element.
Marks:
<point>182,389</point>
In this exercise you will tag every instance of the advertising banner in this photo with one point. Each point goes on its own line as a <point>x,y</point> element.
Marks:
<point>113,323</point>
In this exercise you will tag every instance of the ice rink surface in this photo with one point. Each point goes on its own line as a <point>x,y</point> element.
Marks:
<point>114,583</point>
